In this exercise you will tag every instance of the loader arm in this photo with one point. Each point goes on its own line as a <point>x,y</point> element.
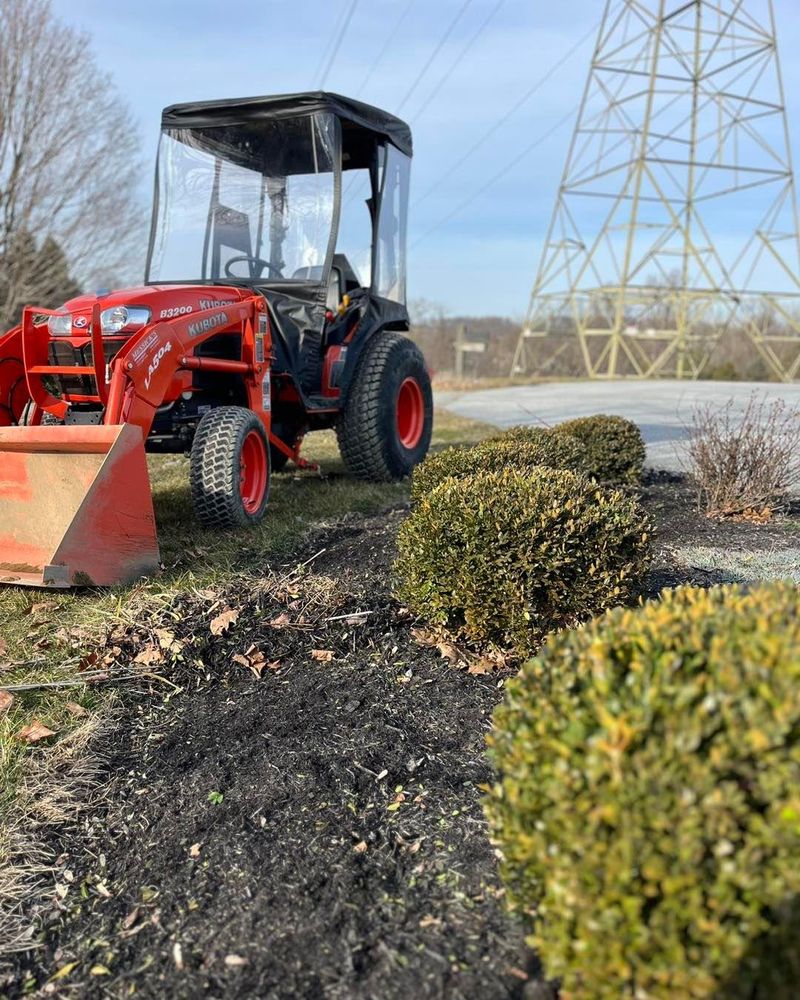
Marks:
<point>147,365</point>
<point>75,500</point>
<point>13,385</point>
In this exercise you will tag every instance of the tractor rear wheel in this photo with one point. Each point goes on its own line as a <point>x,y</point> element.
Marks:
<point>230,468</point>
<point>385,427</point>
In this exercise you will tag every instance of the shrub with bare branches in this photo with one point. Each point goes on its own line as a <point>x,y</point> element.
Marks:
<point>745,464</point>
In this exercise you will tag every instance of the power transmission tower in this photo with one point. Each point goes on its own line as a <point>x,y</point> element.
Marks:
<point>681,146</point>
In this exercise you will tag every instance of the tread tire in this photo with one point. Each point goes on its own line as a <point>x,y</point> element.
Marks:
<point>367,428</point>
<point>214,468</point>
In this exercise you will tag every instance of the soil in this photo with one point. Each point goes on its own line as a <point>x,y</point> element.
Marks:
<point>315,831</point>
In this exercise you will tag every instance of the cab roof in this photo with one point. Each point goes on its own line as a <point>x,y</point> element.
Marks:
<point>248,110</point>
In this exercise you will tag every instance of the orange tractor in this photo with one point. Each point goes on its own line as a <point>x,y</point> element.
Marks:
<point>273,305</point>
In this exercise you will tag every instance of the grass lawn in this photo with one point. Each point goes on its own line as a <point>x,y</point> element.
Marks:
<point>45,635</point>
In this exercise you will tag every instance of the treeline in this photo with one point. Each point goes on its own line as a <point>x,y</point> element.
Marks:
<point>735,357</point>
<point>70,214</point>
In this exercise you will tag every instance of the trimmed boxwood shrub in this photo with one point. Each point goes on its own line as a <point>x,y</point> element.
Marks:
<point>501,558</point>
<point>615,446</point>
<point>648,804</point>
<point>558,451</point>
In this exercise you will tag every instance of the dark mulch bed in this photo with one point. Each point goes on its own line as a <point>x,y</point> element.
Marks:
<point>317,831</point>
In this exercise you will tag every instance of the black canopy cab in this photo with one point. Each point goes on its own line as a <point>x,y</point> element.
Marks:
<point>303,197</point>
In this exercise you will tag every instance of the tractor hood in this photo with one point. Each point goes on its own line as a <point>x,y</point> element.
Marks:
<point>144,304</point>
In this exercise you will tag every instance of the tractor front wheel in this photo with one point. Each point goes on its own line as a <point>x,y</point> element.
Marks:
<point>385,427</point>
<point>230,468</point>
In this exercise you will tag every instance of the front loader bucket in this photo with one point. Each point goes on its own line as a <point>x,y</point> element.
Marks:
<point>75,506</point>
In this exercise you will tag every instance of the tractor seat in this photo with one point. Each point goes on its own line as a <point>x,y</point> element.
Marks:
<point>335,283</point>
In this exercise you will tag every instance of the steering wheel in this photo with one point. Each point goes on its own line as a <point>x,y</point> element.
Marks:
<point>251,260</point>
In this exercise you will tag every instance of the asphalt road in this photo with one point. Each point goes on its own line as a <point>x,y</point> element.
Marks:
<point>661,408</point>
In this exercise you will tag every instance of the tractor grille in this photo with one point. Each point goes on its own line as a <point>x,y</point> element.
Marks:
<point>65,355</point>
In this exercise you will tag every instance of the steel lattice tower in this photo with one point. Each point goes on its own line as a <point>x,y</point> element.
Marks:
<point>681,143</point>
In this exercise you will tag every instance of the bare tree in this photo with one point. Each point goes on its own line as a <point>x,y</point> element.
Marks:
<point>69,163</point>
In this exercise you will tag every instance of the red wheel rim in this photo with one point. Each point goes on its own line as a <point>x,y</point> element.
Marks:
<point>253,472</point>
<point>410,413</point>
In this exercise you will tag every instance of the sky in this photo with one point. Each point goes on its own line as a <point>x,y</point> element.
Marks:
<point>477,221</point>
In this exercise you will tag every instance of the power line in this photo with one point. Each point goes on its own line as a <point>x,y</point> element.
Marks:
<point>440,45</point>
<point>327,47</point>
<point>338,42</point>
<point>459,58</point>
<point>509,114</point>
<point>498,176</point>
<point>385,47</point>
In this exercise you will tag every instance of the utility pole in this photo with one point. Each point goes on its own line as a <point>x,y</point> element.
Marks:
<point>676,218</point>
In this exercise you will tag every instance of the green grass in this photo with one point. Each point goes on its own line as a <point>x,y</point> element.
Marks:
<point>43,635</point>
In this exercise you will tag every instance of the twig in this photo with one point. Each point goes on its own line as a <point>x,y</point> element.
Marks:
<point>353,614</point>
<point>71,682</point>
<point>303,564</point>
<point>88,678</point>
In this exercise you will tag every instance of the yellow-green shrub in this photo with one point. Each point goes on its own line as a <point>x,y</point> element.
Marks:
<point>558,451</point>
<point>648,801</point>
<point>502,558</point>
<point>615,446</point>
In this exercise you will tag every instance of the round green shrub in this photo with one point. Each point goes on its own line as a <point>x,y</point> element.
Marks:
<point>557,451</point>
<point>501,558</point>
<point>648,800</point>
<point>615,447</point>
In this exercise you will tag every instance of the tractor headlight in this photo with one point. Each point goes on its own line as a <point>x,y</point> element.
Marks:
<point>120,318</point>
<point>60,325</point>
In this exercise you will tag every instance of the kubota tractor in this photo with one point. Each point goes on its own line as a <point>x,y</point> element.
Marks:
<point>273,305</point>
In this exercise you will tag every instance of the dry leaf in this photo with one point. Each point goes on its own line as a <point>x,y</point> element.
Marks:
<point>194,850</point>
<point>448,651</point>
<point>322,655</point>
<point>6,701</point>
<point>64,971</point>
<point>424,637</point>
<point>76,710</point>
<point>36,609</point>
<point>430,921</point>
<point>481,667</point>
<point>34,732</point>
<point>88,661</point>
<point>221,624</point>
<point>149,655</point>
<point>3,647</point>
<point>243,661</point>
<point>167,640</point>
<point>280,622</point>
<point>131,919</point>
<point>360,847</point>
<point>234,961</point>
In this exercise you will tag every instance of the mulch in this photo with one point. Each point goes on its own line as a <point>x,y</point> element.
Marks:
<point>300,816</point>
